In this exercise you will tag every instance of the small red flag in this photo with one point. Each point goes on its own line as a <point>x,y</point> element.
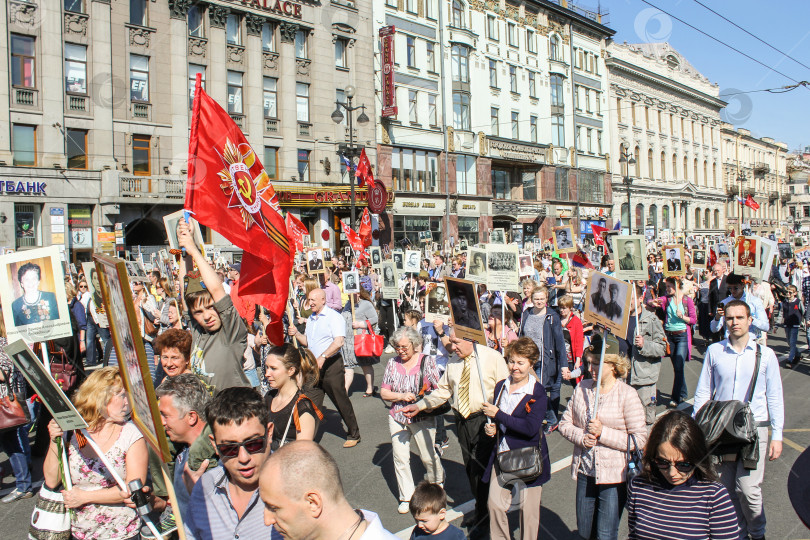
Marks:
<point>363,171</point>
<point>365,228</point>
<point>751,203</point>
<point>296,231</point>
<point>354,239</point>
<point>712,257</point>
<point>597,231</point>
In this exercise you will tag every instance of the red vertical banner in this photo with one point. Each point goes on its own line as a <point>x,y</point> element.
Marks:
<point>389,94</point>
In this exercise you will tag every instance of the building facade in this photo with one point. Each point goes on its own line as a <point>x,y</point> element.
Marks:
<point>492,101</point>
<point>666,144</point>
<point>95,106</point>
<point>756,168</point>
<point>798,170</point>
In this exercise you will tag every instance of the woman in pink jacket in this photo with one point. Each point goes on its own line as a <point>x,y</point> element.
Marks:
<point>599,463</point>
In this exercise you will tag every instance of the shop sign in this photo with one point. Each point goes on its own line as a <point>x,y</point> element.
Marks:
<point>468,208</point>
<point>27,188</point>
<point>389,93</point>
<point>311,197</point>
<point>279,7</point>
<point>516,151</point>
<point>429,207</point>
<point>377,198</point>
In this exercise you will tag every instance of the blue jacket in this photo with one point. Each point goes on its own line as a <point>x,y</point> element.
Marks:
<point>553,356</point>
<point>523,429</point>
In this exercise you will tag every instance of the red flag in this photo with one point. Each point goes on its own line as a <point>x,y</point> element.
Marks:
<point>229,191</point>
<point>362,259</point>
<point>751,203</point>
<point>731,234</point>
<point>296,231</point>
<point>597,231</point>
<point>365,228</point>
<point>580,260</point>
<point>354,239</point>
<point>363,170</point>
<point>712,257</point>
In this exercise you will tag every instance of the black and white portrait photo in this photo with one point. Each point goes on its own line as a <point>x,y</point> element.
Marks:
<point>315,264</point>
<point>170,222</point>
<point>502,267</point>
<point>629,256</point>
<point>476,265</point>
<point>607,301</point>
<point>390,285</point>
<point>437,306</point>
<point>376,256</point>
<point>425,236</point>
<point>526,267</point>
<point>699,258</point>
<point>674,264</point>
<point>464,310</point>
<point>563,239</point>
<point>399,259</point>
<point>413,260</point>
<point>351,282</point>
<point>497,236</point>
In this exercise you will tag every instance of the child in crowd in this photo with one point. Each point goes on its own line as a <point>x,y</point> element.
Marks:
<point>429,509</point>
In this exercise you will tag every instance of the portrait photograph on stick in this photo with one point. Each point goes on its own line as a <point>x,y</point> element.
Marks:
<point>390,282</point>
<point>44,386</point>
<point>351,282</point>
<point>674,264</point>
<point>564,240</point>
<point>497,236</point>
<point>607,301</point>
<point>437,305</point>
<point>170,222</point>
<point>526,267</point>
<point>315,261</point>
<point>502,267</point>
<point>32,291</point>
<point>768,251</point>
<point>125,333</point>
<point>747,260</point>
<point>629,256</point>
<point>399,259</point>
<point>699,259</point>
<point>477,265</point>
<point>413,260</point>
<point>375,254</point>
<point>464,310</point>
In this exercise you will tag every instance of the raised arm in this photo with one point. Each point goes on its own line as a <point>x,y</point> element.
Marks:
<point>209,277</point>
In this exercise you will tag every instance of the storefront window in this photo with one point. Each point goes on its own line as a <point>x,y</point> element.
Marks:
<point>409,227</point>
<point>26,225</point>
<point>468,229</point>
<point>529,186</point>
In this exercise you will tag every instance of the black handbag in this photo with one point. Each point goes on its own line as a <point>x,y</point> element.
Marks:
<point>729,426</point>
<point>522,464</point>
<point>444,408</point>
<point>634,463</point>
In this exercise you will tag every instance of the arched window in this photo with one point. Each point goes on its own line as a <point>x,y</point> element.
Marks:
<point>697,218</point>
<point>653,221</point>
<point>458,14</point>
<point>637,155</point>
<point>665,217</point>
<point>651,171</point>
<point>707,219</point>
<point>685,169</point>
<point>625,215</point>
<point>674,166</point>
<point>696,178</point>
<point>663,166</point>
<point>554,47</point>
<point>705,173</point>
<point>638,221</point>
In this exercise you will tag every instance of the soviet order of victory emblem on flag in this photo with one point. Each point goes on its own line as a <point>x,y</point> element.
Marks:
<point>245,192</point>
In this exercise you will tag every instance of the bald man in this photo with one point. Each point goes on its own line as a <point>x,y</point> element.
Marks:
<point>324,336</point>
<point>303,497</point>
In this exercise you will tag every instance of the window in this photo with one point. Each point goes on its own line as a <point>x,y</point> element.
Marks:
<point>589,140</point>
<point>410,6</point>
<point>268,37</point>
<point>415,170</point>
<point>665,217</point>
<point>619,110</point>
<point>554,48</point>
<point>633,112</point>
<point>529,181</point>
<point>674,166</point>
<point>22,61</point>
<point>233,29</point>
<point>598,102</point>
<point>271,162</point>
<point>193,69</point>
<point>588,100</point>
<point>695,176</point>
<point>465,175</point>
<point>531,46</point>
<point>647,117</point>
<point>76,68</point>
<point>501,183</point>
<point>301,44</point>
<point>410,226</point>
<point>138,77</point>
<point>492,27</point>
<point>557,130</point>
<point>599,142</point>
<point>532,85</point>
<point>194,19</point>
<point>340,97</point>
<point>458,14</point>
<point>302,102</point>
<point>716,219</point>
<point>513,85</point>
<point>493,121</point>
<point>430,9</point>
<point>138,12</point>
<point>511,33</point>
<point>515,125</point>
<point>556,90</point>
<point>270,97</point>
<point>74,6</point>
<point>410,48</point>
<point>561,184</point>
<point>460,63</point>
<point>141,155</point>
<point>303,165</point>
<point>234,92</point>
<point>663,166</point>
<point>26,224</point>
<point>76,143</point>
<point>533,128</point>
<point>685,168</point>
<point>461,110</point>
<point>412,107</point>
<point>432,116</point>
<point>340,53</point>
<point>493,73</point>
<point>24,145</point>
<point>705,173</point>
<point>577,92</point>
<point>591,185</point>
<point>430,52</point>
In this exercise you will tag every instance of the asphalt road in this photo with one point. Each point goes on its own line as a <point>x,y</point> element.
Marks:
<point>368,475</point>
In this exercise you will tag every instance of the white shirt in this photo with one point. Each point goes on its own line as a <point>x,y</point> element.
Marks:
<point>375,529</point>
<point>507,402</point>
<point>429,336</point>
<point>323,328</point>
<point>726,375</point>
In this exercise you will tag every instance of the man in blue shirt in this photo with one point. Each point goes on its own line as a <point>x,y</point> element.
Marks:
<point>736,291</point>
<point>727,372</point>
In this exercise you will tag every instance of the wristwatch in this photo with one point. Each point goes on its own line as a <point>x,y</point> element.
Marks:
<point>441,335</point>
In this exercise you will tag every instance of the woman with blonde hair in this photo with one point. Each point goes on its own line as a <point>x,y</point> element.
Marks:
<point>599,464</point>
<point>97,500</point>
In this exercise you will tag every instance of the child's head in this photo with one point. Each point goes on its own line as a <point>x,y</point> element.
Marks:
<point>412,317</point>
<point>792,290</point>
<point>429,507</point>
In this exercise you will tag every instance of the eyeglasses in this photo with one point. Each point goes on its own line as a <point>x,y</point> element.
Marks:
<point>254,445</point>
<point>681,466</point>
<point>402,347</point>
<point>82,286</point>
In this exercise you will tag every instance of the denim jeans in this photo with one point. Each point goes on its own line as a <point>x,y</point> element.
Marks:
<point>600,505</point>
<point>92,331</point>
<point>553,409</point>
<point>16,445</point>
<point>679,350</point>
<point>792,333</point>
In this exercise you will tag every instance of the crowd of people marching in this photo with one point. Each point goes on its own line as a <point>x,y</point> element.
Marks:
<point>243,413</point>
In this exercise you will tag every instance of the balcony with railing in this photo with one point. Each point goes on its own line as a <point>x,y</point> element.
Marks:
<point>26,97</point>
<point>304,129</point>
<point>141,111</point>
<point>152,187</point>
<point>77,103</point>
<point>271,126</point>
<point>239,120</point>
<point>761,169</point>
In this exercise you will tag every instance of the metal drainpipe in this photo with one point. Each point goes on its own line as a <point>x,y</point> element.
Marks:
<point>444,123</point>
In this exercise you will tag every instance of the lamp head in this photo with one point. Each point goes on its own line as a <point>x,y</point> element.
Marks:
<point>337,116</point>
<point>350,91</point>
<point>363,118</point>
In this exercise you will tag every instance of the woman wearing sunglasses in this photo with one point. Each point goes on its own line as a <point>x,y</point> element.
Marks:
<point>677,494</point>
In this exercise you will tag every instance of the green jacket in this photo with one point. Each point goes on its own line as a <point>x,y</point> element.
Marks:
<point>201,449</point>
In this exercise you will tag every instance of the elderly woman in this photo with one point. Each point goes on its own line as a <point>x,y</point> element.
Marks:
<point>518,412</point>
<point>97,500</point>
<point>599,464</point>
<point>174,349</point>
<point>407,377</point>
<point>33,305</point>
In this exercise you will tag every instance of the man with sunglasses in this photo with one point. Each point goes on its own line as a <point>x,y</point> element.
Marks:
<point>727,373</point>
<point>225,501</point>
<point>736,289</point>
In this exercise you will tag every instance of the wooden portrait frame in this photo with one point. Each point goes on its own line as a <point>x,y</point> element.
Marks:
<point>705,263</point>
<point>618,254</point>
<point>740,259</point>
<point>436,310</point>
<point>346,288</point>
<point>570,230</point>
<point>681,251</point>
<point>308,260</point>
<point>371,251</point>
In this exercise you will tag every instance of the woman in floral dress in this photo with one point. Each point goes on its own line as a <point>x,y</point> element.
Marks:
<point>98,502</point>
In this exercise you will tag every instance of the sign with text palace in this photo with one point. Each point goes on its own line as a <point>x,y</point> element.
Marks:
<point>279,7</point>
<point>389,91</point>
<point>335,197</point>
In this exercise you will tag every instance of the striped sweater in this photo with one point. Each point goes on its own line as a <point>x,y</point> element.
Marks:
<point>694,510</point>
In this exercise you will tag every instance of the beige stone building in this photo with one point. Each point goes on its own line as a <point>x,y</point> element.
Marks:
<point>95,108</point>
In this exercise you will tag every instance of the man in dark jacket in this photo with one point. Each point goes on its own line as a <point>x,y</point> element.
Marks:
<point>717,291</point>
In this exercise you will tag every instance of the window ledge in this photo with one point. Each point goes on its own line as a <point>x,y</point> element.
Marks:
<point>342,68</point>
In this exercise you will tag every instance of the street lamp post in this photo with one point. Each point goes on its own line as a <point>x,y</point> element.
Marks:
<point>351,151</point>
<point>741,179</point>
<point>626,159</point>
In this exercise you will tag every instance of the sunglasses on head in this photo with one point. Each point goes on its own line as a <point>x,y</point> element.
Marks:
<point>681,466</point>
<point>254,445</point>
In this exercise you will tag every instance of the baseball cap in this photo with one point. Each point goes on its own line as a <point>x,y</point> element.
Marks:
<point>236,266</point>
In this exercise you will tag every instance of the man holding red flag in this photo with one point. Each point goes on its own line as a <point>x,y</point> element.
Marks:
<point>229,191</point>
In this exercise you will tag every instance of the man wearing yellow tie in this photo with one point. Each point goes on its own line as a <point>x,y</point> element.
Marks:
<point>461,384</point>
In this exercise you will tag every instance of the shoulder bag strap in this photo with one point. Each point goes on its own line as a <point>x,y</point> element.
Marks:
<point>289,421</point>
<point>750,393</point>
<point>103,458</point>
